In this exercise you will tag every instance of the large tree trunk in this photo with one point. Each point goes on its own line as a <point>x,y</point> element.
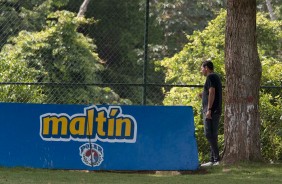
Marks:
<point>243,73</point>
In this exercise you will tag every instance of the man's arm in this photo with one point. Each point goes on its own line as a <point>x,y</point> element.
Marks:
<point>210,101</point>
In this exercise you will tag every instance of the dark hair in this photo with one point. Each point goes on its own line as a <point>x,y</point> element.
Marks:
<point>208,64</point>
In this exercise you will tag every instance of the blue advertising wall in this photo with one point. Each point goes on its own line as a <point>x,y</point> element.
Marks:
<point>97,137</point>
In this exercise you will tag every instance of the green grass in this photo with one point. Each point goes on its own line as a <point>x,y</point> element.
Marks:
<point>243,173</point>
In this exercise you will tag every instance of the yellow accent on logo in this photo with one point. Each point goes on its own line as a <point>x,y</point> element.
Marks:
<point>106,125</point>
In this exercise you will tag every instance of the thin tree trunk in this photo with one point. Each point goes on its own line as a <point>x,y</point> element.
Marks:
<point>243,74</point>
<point>83,8</point>
<point>270,10</point>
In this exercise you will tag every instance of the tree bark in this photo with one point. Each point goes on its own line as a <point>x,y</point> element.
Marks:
<point>243,74</point>
<point>270,10</point>
<point>83,8</point>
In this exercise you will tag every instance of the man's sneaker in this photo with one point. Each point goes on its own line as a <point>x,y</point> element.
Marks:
<point>215,163</point>
<point>207,164</point>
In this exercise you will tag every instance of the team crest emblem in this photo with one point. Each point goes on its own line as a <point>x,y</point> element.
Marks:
<point>91,154</point>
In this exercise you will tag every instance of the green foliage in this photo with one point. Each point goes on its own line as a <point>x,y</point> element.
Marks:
<point>269,37</point>
<point>179,17</point>
<point>183,68</point>
<point>14,69</point>
<point>18,15</point>
<point>118,35</point>
<point>276,6</point>
<point>271,133</point>
<point>271,72</point>
<point>59,54</point>
<point>269,43</point>
<point>27,15</point>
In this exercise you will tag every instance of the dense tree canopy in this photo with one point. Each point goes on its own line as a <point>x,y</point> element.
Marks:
<point>57,54</point>
<point>29,15</point>
<point>178,18</point>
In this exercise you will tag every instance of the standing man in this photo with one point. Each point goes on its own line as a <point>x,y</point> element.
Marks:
<point>211,102</point>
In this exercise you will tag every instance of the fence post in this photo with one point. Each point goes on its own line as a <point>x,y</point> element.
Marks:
<point>145,53</point>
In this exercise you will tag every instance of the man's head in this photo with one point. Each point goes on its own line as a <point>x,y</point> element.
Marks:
<point>207,67</point>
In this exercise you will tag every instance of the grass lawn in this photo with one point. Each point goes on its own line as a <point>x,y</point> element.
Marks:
<point>244,173</point>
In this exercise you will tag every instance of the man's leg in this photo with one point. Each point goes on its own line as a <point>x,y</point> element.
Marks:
<point>208,134</point>
<point>211,132</point>
<point>214,148</point>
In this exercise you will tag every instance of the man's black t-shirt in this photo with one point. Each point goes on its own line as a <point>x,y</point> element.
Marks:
<point>214,81</point>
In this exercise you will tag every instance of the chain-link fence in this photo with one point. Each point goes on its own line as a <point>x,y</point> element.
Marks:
<point>49,54</point>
